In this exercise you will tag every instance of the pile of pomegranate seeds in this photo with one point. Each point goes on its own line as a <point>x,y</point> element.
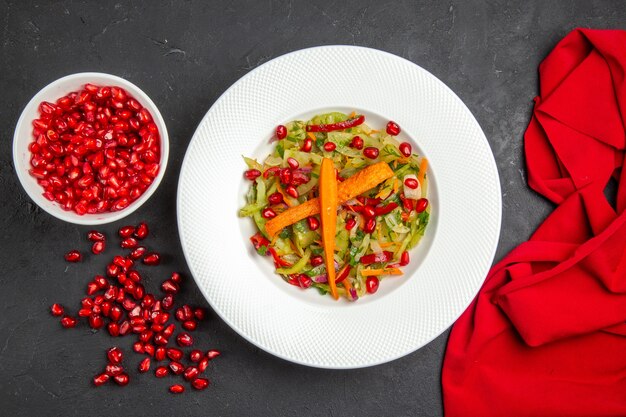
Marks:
<point>95,150</point>
<point>118,301</point>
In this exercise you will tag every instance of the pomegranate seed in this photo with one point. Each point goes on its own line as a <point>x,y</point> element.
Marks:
<point>293,164</point>
<point>200,383</point>
<point>191,372</point>
<point>371,284</point>
<point>126,231</point>
<point>190,325</point>
<point>113,369</point>
<point>371,152</point>
<point>203,364</point>
<point>161,372</point>
<point>212,354</point>
<point>176,277</point>
<point>146,336</point>
<point>100,379</point>
<point>177,389</point>
<point>195,355</point>
<point>285,175</point>
<point>184,339</point>
<point>281,132</point>
<point>368,211</point>
<point>141,232</point>
<point>275,198</point>
<point>159,339</point>
<point>268,213</point>
<point>317,260</point>
<point>307,145</point>
<point>174,354</point>
<point>95,236</point>
<point>86,312</point>
<point>95,321</point>
<point>411,183</point>
<point>421,205</point>
<point>138,347</point>
<point>129,243</point>
<point>168,301</point>
<point>370,225</point>
<point>97,247</point>
<point>57,310</point>
<point>138,252</point>
<point>176,367</point>
<point>404,258</point>
<point>330,146</point>
<point>159,353</point>
<point>152,259</point>
<point>357,143</point>
<point>134,276</point>
<point>170,287</point>
<point>304,281</point>
<point>405,149</point>
<point>144,365</point>
<point>393,129</point>
<point>115,355</point>
<point>68,322</point>
<point>114,329</point>
<point>73,256</point>
<point>292,191</point>
<point>252,174</point>
<point>121,379</point>
<point>199,313</point>
<point>350,223</point>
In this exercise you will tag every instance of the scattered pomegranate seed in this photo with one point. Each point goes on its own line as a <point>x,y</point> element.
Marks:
<point>68,322</point>
<point>168,301</point>
<point>161,372</point>
<point>195,355</point>
<point>281,132</point>
<point>307,145</point>
<point>141,232</point>
<point>268,213</point>
<point>100,379</point>
<point>293,164</point>
<point>159,353</point>
<point>152,259</point>
<point>95,321</point>
<point>129,243</point>
<point>212,354</point>
<point>350,223</point>
<point>115,355</point>
<point>57,310</point>
<point>371,152</point>
<point>97,247</point>
<point>330,146</point>
<point>190,325</point>
<point>177,389</point>
<point>177,368</point>
<point>357,143</point>
<point>317,260</point>
<point>184,339</point>
<point>404,258</point>
<point>170,287</point>
<point>421,204</point>
<point>73,256</point>
<point>199,313</point>
<point>126,231</point>
<point>285,175</point>
<point>406,149</point>
<point>95,236</point>
<point>368,211</point>
<point>200,383</point>
<point>121,379</point>
<point>113,369</point>
<point>252,174</point>
<point>292,191</point>
<point>370,225</point>
<point>138,252</point>
<point>411,183</point>
<point>393,129</point>
<point>203,364</point>
<point>144,365</point>
<point>191,372</point>
<point>371,284</point>
<point>275,198</point>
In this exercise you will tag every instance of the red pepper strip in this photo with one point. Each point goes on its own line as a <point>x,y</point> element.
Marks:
<point>381,211</point>
<point>277,260</point>
<point>376,257</point>
<point>343,273</point>
<point>406,203</point>
<point>369,201</point>
<point>259,241</point>
<point>346,124</point>
<point>270,171</point>
<point>356,209</point>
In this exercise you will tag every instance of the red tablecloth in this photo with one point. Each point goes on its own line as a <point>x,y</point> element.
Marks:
<point>546,336</point>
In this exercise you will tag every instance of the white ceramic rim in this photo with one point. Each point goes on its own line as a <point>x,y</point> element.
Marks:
<point>486,243</point>
<point>53,208</point>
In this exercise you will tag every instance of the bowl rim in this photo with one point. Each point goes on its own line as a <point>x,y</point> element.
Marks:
<point>55,210</point>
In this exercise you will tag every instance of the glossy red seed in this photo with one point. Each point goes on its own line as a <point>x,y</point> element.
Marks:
<point>281,132</point>
<point>121,379</point>
<point>291,191</point>
<point>350,223</point>
<point>152,259</point>
<point>406,149</point>
<point>404,258</point>
<point>176,277</point>
<point>293,163</point>
<point>411,183</point>
<point>97,247</point>
<point>95,321</point>
<point>371,284</point>
<point>113,369</point>
<point>114,329</point>
<point>138,252</point>
<point>285,175</point>
<point>268,213</point>
<point>170,287</point>
<point>149,349</point>
<point>161,372</point>
<point>161,340</point>
<point>195,355</point>
<point>421,205</point>
<point>393,129</point>
<point>275,198</point>
<point>252,174</point>
<point>317,260</point>
<point>370,225</point>
<point>126,231</point>
<point>174,354</point>
<point>357,143</point>
<point>159,353</point>
<point>57,310</point>
<point>371,152</point>
<point>73,256</point>
<point>168,302</point>
<point>307,145</point>
<point>141,232</point>
<point>200,383</point>
<point>100,379</point>
<point>191,372</point>
<point>203,364</point>
<point>368,211</point>
<point>199,313</point>
<point>176,367</point>
<point>115,355</point>
<point>138,347</point>
<point>95,236</point>
<point>144,365</point>
<point>177,389</point>
<point>212,354</point>
<point>330,146</point>
<point>190,325</point>
<point>68,322</point>
<point>184,339</point>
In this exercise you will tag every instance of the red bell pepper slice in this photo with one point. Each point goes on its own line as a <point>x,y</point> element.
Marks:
<point>381,211</point>
<point>346,124</point>
<point>258,241</point>
<point>343,273</point>
<point>277,259</point>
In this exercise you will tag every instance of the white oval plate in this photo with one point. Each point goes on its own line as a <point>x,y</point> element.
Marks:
<point>447,268</point>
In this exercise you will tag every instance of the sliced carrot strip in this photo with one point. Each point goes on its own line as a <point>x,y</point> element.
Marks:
<point>423,168</point>
<point>328,215</point>
<point>357,184</point>
<point>377,272</point>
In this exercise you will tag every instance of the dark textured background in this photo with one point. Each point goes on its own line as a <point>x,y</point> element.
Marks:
<point>184,54</point>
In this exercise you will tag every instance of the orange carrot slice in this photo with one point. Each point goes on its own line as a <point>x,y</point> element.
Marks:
<point>423,168</point>
<point>377,272</point>
<point>328,215</point>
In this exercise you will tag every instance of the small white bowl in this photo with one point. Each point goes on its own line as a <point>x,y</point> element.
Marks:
<point>23,137</point>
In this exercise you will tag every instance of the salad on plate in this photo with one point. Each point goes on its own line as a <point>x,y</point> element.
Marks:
<point>338,204</point>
